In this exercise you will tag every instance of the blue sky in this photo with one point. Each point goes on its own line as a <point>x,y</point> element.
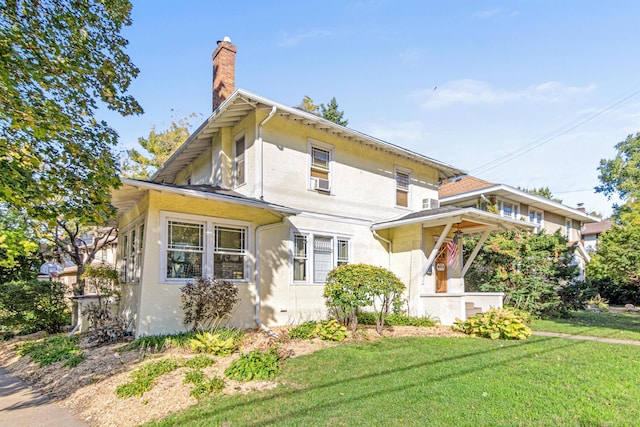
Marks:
<point>525,93</point>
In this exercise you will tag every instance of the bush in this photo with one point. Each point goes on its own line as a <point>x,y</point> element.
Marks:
<point>207,342</point>
<point>503,323</point>
<point>330,330</point>
<point>206,302</point>
<point>354,286</point>
<point>303,331</point>
<point>32,306</point>
<point>599,303</point>
<point>255,365</point>
<point>104,326</point>
<point>575,295</point>
<point>52,350</point>
<point>368,318</point>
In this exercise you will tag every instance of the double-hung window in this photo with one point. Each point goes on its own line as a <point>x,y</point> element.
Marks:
<point>402,188</point>
<point>535,217</point>
<point>315,255</point>
<point>185,250</point>
<point>567,228</point>
<point>320,168</point>
<point>239,162</point>
<point>131,248</point>
<point>229,253</point>
<point>508,209</point>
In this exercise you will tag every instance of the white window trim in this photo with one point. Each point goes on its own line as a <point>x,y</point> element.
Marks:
<point>312,143</point>
<point>405,171</point>
<point>541,225</point>
<point>209,227</point>
<point>310,235</point>
<point>239,136</point>
<point>514,204</point>
<point>568,226</point>
<point>137,256</point>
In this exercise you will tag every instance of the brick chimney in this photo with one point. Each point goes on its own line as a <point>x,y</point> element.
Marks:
<point>581,207</point>
<point>224,69</point>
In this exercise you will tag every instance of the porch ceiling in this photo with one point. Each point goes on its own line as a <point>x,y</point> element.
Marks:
<point>465,220</point>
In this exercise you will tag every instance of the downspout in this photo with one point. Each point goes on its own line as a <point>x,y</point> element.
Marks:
<point>379,237</point>
<point>256,274</point>
<point>261,150</point>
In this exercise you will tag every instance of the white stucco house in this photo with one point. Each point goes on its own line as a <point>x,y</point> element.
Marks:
<point>272,198</point>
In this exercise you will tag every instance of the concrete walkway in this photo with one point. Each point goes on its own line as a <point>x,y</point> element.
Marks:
<point>22,406</point>
<point>586,338</point>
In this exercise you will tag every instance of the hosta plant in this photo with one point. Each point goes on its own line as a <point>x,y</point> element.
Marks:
<point>207,342</point>
<point>496,323</point>
<point>330,330</point>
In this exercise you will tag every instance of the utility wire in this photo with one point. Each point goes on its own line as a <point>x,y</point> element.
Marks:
<point>531,146</point>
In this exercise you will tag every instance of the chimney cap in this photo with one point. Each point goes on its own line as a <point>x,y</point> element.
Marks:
<point>224,39</point>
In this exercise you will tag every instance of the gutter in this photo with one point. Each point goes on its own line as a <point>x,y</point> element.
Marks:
<point>256,275</point>
<point>261,149</point>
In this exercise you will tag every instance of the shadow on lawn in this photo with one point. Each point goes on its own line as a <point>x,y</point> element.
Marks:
<point>460,358</point>
<point>589,321</point>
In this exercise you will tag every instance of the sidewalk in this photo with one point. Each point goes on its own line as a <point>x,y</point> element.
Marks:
<point>21,406</point>
<point>586,338</point>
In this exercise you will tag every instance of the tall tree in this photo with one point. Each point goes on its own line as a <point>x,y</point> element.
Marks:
<point>621,175</point>
<point>159,145</point>
<point>308,105</point>
<point>61,59</point>
<point>542,192</point>
<point>331,113</point>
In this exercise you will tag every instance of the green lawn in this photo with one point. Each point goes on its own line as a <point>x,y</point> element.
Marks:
<point>443,382</point>
<point>607,325</point>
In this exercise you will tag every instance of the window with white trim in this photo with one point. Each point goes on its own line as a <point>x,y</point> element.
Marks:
<point>229,253</point>
<point>196,246</point>
<point>315,255</point>
<point>320,167</point>
<point>567,228</point>
<point>508,209</point>
<point>402,188</point>
<point>239,162</point>
<point>131,248</point>
<point>536,217</point>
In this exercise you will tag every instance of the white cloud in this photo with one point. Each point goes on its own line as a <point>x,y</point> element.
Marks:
<point>289,40</point>
<point>489,13</point>
<point>476,92</point>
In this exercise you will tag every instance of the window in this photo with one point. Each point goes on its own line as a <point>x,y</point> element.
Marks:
<point>238,162</point>
<point>130,246</point>
<point>327,252</point>
<point>567,228</point>
<point>200,246</point>
<point>320,170</point>
<point>402,189</point>
<point>508,209</point>
<point>185,249</point>
<point>535,216</point>
<point>229,253</point>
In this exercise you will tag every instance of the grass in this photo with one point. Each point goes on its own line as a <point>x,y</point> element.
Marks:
<point>542,381</point>
<point>54,349</point>
<point>624,326</point>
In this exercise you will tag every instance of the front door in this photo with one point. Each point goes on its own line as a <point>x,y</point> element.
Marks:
<point>441,270</point>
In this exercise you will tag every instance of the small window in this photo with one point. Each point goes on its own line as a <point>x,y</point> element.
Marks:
<point>229,253</point>
<point>322,258</point>
<point>567,228</point>
<point>300,258</point>
<point>402,189</point>
<point>185,247</point>
<point>238,162</point>
<point>535,217</point>
<point>343,252</point>
<point>320,172</point>
<point>508,209</point>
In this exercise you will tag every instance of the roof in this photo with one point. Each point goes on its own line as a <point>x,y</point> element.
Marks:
<point>468,220</point>
<point>513,194</point>
<point>132,191</point>
<point>596,227</point>
<point>241,103</point>
<point>462,185</point>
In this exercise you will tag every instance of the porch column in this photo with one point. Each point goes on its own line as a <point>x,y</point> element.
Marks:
<point>474,253</point>
<point>436,248</point>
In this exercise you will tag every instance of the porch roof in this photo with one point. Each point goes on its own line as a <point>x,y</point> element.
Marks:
<point>132,191</point>
<point>467,220</point>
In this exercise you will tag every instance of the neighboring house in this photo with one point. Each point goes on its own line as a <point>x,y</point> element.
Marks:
<point>591,232</point>
<point>540,212</point>
<point>272,198</point>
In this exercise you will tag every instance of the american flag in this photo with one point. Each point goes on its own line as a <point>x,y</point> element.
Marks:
<point>452,250</point>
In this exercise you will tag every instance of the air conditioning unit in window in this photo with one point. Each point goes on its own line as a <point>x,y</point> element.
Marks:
<point>321,184</point>
<point>430,203</point>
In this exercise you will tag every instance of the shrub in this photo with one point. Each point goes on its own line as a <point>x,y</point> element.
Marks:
<point>206,302</point>
<point>104,326</point>
<point>52,350</point>
<point>599,303</point>
<point>303,331</point>
<point>143,377</point>
<point>368,318</point>
<point>503,323</point>
<point>330,330</point>
<point>255,365</point>
<point>155,343</point>
<point>32,306</point>
<point>353,286</point>
<point>575,295</point>
<point>207,342</point>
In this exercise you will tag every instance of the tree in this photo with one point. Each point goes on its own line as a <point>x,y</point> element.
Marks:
<point>19,255</point>
<point>159,145</point>
<point>621,175</point>
<point>529,268</point>
<point>542,192</point>
<point>60,60</point>
<point>332,113</point>
<point>308,105</point>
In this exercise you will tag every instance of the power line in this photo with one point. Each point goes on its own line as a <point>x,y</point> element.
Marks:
<point>533,145</point>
